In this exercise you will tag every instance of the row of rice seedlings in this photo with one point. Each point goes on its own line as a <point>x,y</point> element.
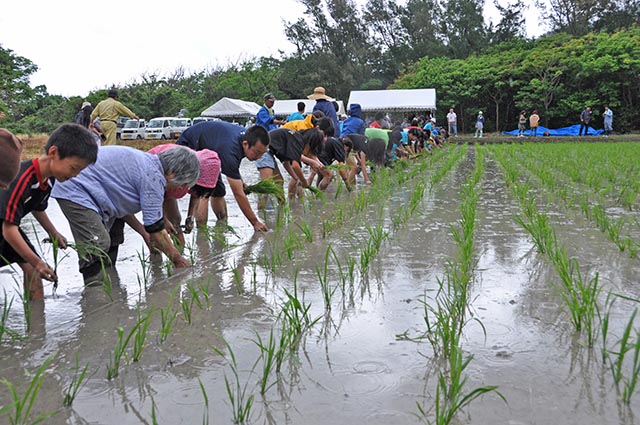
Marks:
<point>579,294</point>
<point>19,411</point>
<point>384,181</point>
<point>597,214</point>
<point>446,319</point>
<point>592,170</point>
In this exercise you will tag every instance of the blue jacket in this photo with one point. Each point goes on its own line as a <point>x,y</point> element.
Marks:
<point>354,124</point>
<point>265,119</point>
<point>329,111</point>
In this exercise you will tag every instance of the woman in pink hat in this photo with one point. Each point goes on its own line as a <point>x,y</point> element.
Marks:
<point>209,172</point>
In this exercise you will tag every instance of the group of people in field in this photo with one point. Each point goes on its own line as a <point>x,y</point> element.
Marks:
<point>101,187</point>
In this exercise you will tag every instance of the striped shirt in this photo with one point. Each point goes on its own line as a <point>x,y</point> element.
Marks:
<point>27,192</point>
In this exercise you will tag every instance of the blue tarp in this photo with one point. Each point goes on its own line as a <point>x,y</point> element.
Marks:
<point>564,131</point>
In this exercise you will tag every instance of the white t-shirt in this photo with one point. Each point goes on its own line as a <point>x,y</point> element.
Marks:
<point>451,117</point>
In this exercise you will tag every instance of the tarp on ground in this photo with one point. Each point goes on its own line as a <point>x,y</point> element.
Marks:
<point>394,100</point>
<point>284,108</point>
<point>572,130</point>
<point>228,107</point>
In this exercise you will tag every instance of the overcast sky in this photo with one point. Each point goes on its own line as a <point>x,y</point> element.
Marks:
<point>80,46</point>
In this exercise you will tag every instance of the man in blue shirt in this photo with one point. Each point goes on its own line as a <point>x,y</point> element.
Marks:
<point>232,143</point>
<point>266,117</point>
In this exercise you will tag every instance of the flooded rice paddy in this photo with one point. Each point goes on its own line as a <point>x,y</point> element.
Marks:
<point>346,289</point>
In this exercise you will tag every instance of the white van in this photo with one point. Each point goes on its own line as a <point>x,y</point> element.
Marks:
<point>133,130</point>
<point>178,125</point>
<point>159,128</point>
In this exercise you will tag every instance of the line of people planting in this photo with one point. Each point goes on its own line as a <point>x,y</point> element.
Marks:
<point>100,188</point>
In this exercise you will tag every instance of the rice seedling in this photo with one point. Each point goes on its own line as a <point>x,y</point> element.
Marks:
<point>450,396</point>
<point>631,382</point>
<point>195,295</point>
<point>241,401</point>
<point>295,317</point>
<point>238,279</point>
<point>77,382</point>
<point>120,351</point>
<point>19,411</point>
<point>167,316</point>
<point>268,356</point>
<point>306,230</point>
<point>267,187</point>
<point>323,278</point>
<point>140,336</point>
<point>154,419</point>
<point>205,415</point>
<point>146,270</point>
<point>317,193</point>
<point>6,309</point>
<point>580,296</point>
<point>205,291</point>
<point>186,305</point>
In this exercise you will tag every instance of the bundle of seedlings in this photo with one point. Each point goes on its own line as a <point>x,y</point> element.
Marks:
<point>267,187</point>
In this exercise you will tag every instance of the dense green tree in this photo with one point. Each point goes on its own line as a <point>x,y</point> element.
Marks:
<point>15,92</point>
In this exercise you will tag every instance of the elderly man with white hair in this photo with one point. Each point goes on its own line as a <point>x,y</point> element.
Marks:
<point>123,182</point>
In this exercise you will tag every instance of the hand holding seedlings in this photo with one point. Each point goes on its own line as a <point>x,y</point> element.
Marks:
<point>46,272</point>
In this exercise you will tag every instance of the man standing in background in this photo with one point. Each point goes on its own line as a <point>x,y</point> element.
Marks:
<point>452,119</point>
<point>266,116</point>
<point>108,111</point>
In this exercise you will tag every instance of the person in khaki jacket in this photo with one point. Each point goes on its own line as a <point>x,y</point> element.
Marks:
<point>108,111</point>
<point>534,119</point>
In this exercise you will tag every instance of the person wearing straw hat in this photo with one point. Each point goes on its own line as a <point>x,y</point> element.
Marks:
<point>324,104</point>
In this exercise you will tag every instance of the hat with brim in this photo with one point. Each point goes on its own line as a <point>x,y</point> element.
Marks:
<point>209,168</point>
<point>318,93</point>
<point>85,104</point>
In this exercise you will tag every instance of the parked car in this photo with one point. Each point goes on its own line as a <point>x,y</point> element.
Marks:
<point>197,120</point>
<point>159,128</point>
<point>133,130</point>
<point>178,125</point>
<point>120,125</point>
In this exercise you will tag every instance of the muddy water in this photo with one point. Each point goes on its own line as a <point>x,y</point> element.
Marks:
<point>351,366</point>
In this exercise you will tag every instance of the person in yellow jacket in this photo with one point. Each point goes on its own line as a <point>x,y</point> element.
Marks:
<point>108,111</point>
<point>310,121</point>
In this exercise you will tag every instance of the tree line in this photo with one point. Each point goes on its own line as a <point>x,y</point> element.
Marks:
<point>588,57</point>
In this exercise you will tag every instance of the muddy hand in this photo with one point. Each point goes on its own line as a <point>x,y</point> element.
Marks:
<point>46,272</point>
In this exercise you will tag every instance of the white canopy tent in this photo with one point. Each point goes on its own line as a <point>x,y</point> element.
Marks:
<point>394,100</point>
<point>284,108</point>
<point>228,107</point>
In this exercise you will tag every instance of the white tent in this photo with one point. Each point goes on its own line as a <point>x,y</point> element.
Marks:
<point>284,108</point>
<point>394,100</point>
<point>227,107</point>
